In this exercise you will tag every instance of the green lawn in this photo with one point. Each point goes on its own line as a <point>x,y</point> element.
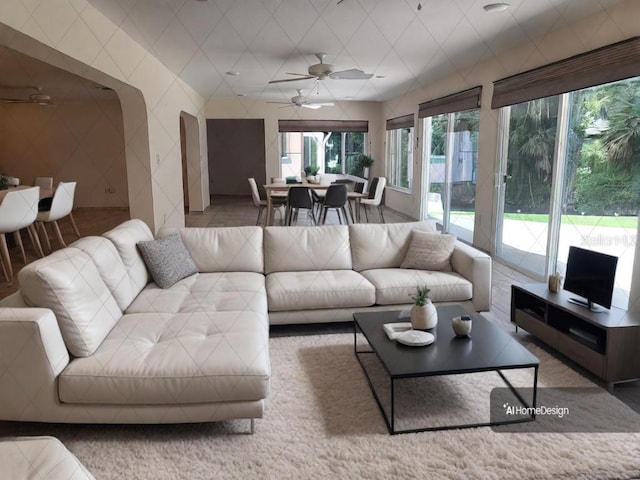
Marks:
<point>591,220</point>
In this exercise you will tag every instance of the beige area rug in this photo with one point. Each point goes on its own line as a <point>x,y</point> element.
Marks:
<point>321,421</point>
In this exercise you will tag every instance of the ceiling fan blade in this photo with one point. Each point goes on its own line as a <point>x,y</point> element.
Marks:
<point>351,74</point>
<point>279,103</point>
<point>313,106</point>
<point>318,104</point>
<point>306,77</point>
<point>14,100</point>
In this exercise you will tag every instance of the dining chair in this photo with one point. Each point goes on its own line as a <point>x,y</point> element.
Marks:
<point>18,210</point>
<point>61,206</point>
<point>262,204</point>
<point>375,197</point>
<point>299,198</point>
<point>358,187</point>
<point>335,198</point>
<point>43,182</point>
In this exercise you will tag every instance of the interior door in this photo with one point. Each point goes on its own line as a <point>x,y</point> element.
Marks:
<point>236,152</point>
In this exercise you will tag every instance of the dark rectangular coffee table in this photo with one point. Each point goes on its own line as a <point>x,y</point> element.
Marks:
<point>492,350</point>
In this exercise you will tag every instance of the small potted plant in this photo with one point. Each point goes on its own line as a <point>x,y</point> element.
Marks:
<point>4,182</point>
<point>311,173</point>
<point>423,313</point>
<point>366,162</point>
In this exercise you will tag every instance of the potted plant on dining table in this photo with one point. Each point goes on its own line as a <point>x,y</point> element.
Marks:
<point>311,173</point>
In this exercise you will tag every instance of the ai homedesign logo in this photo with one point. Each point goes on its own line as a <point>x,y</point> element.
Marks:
<point>542,410</point>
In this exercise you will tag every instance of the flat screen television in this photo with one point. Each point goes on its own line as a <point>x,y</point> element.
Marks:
<point>590,275</point>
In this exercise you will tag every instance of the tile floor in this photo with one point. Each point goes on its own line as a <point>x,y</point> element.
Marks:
<point>235,211</point>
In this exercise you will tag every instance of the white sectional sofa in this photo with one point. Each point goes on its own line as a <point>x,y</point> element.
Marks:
<point>39,458</point>
<point>91,338</point>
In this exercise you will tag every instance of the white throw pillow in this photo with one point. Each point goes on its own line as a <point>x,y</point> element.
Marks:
<point>429,251</point>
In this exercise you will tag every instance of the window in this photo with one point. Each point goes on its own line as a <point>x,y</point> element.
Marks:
<point>399,157</point>
<point>399,152</point>
<point>332,146</point>
<point>450,160</point>
<point>452,157</point>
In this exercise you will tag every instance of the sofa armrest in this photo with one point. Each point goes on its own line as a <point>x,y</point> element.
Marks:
<point>475,266</point>
<point>32,355</point>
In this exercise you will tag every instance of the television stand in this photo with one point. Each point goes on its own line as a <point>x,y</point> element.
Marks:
<point>592,307</point>
<point>605,343</point>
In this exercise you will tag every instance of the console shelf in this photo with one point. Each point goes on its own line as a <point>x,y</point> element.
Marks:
<point>607,343</point>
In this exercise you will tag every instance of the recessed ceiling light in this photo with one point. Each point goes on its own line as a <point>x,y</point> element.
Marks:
<point>381,76</point>
<point>348,98</point>
<point>233,74</point>
<point>241,95</point>
<point>496,7</point>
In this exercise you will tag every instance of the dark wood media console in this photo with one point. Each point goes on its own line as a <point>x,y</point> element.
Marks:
<point>607,343</point>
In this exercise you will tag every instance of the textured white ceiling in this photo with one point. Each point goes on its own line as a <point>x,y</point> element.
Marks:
<point>263,39</point>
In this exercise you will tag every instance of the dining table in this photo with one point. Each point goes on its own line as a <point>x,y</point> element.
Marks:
<point>44,192</point>
<point>281,189</point>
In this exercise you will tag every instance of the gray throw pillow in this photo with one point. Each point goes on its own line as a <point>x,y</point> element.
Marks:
<point>167,260</point>
<point>429,251</point>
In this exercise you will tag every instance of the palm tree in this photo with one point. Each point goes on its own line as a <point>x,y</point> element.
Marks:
<point>622,139</point>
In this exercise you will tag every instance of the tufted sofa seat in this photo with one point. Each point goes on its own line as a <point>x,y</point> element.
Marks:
<point>91,338</point>
<point>108,346</point>
<point>325,274</point>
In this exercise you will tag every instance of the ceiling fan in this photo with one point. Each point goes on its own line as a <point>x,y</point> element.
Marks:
<point>302,101</point>
<point>37,98</point>
<point>322,70</point>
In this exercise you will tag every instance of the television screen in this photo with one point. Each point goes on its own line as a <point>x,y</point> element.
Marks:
<point>591,275</point>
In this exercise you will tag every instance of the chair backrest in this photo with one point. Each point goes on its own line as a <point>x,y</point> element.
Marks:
<point>62,202</point>
<point>358,187</point>
<point>44,182</point>
<point>300,197</point>
<point>19,209</point>
<point>376,191</point>
<point>336,196</point>
<point>372,188</point>
<point>255,195</point>
<point>348,182</point>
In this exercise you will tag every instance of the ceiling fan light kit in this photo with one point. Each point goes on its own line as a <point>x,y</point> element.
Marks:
<point>301,100</point>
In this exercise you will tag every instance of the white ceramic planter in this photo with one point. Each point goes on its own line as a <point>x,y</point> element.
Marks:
<point>461,327</point>
<point>425,317</point>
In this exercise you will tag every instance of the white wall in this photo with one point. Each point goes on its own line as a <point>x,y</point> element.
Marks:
<point>74,35</point>
<point>81,141</point>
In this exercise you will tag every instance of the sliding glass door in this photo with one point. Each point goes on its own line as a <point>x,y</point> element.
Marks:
<point>571,176</point>
<point>529,137</point>
<point>452,148</point>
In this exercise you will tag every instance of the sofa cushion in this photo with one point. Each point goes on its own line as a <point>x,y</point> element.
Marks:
<point>296,249</point>
<point>68,282</point>
<point>319,289</point>
<point>111,268</point>
<point>429,251</point>
<point>396,285</point>
<point>382,245</point>
<point>125,238</point>
<point>226,249</point>
<point>167,260</point>
<point>205,292</point>
<point>152,358</point>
